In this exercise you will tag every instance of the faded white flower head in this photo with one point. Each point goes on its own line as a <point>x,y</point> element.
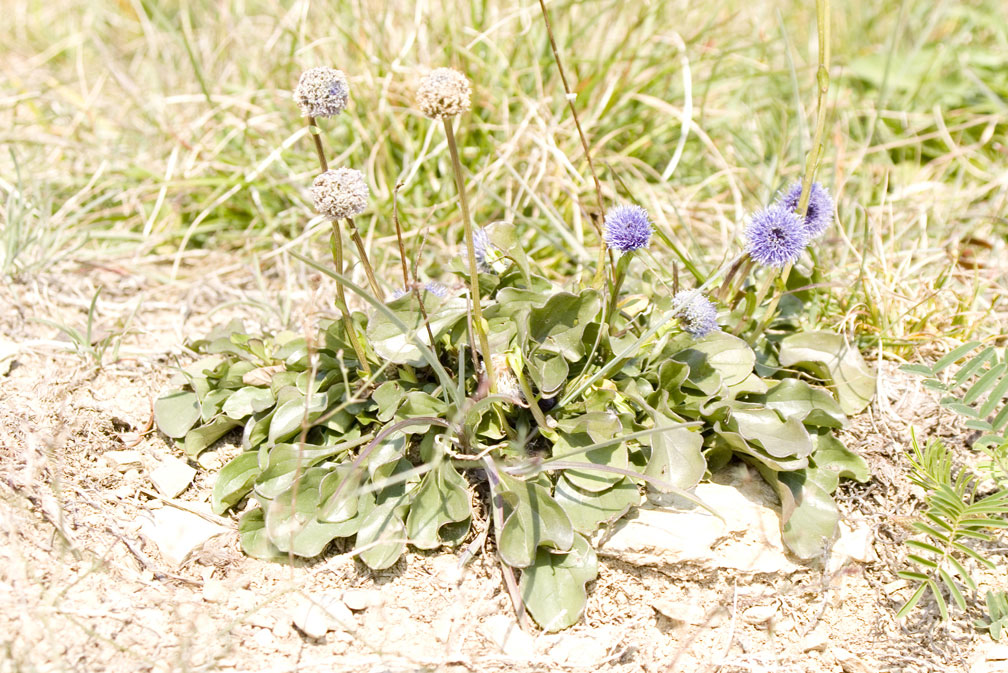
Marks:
<point>322,92</point>
<point>340,193</point>
<point>443,92</point>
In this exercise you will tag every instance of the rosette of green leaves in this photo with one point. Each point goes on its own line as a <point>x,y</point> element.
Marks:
<point>609,406</point>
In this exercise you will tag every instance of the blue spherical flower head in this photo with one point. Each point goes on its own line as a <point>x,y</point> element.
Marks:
<point>481,246</point>
<point>776,237</point>
<point>627,228</point>
<point>696,314</point>
<point>820,207</point>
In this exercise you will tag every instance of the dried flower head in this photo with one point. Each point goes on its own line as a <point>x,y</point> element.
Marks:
<point>507,382</point>
<point>820,207</point>
<point>443,92</point>
<point>340,193</point>
<point>697,314</point>
<point>627,228</point>
<point>776,237</point>
<point>322,92</point>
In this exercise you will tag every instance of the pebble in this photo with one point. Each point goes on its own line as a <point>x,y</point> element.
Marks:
<point>320,614</point>
<point>759,614</point>
<point>124,460</point>
<point>362,599</point>
<point>815,641</point>
<point>509,637</point>
<point>172,476</point>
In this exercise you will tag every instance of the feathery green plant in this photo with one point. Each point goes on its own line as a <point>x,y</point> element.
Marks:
<point>955,516</point>
<point>976,390</point>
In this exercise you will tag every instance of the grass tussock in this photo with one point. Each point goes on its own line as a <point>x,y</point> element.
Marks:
<point>138,129</point>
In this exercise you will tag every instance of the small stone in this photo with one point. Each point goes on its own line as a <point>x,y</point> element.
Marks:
<point>214,591</point>
<point>684,613</point>
<point>894,586</point>
<point>209,460</point>
<point>579,651</point>
<point>815,641</point>
<point>850,662</point>
<point>853,544</point>
<point>124,460</point>
<point>320,614</point>
<point>362,599</point>
<point>509,637</point>
<point>172,476</point>
<point>747,538</point>
<point>996,652</point>
<point>178,533</point>
<point>759,614</point>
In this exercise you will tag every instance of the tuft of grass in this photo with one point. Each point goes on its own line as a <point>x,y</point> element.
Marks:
<point>157,131</point>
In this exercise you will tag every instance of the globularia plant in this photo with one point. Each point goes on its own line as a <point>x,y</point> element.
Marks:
<point>516,413</point>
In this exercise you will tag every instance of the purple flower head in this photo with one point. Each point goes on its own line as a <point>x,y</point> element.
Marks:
<point>435,288</point>
<point>481,246</point>
<point>820,207</point>
<point>776,237</point>
<point>627,228</point>
<point>696,314</point>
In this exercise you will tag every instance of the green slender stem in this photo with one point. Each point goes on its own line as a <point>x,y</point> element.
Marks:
<point>316,135</point>
<point>478,323</point>
<point>368,270</point>
<point>336,243</point>
<point>822,80</point>
<point>818,146</point>
<point>619,274</point>
<point>761,294</point>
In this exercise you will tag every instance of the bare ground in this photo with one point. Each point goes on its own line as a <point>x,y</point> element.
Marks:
<point>82,588</point>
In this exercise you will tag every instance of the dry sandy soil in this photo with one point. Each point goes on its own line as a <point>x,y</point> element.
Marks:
<point>82,588</point>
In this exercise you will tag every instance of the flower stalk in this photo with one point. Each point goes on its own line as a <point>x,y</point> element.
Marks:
<point>474,291</point>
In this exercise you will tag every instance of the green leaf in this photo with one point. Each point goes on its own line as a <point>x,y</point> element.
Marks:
<point>393,343</point>
<point>911,602</point>
<point>676,455</point>
<point>441,499</point>
<point>571,448</point>
<point>559,325</point>
<point>291,415</point>
<point>198,439</point>
<point>338,493</point>
<point>176,412</point>
<point>283,463</point>
<point>828,354</point>
<point>548,371</point>
<point>588,510</point>
<point>954,355</point>
<point>291,521</point>
<point>382,537</point>
<point>831,455</point>
<point>536,520</point>
<point>727,355</point>
<point>247,401</point>
<point>553,588</point>
<point>235,481</point>
<point>780,438</point>
<point>253,537</point>
<point>809,516</point>
<point>920,370</point>
<point>811,405</point>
